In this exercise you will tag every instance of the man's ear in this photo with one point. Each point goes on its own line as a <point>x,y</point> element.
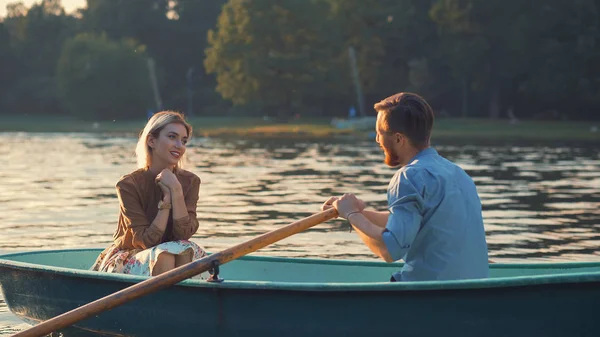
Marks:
<point>399,138</point>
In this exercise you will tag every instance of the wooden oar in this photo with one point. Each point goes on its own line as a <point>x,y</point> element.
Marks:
<point>174,276</point>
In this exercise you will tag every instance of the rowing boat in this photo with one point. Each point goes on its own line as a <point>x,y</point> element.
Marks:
<point>276,296</point>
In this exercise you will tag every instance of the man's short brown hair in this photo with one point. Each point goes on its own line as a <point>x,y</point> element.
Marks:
<point>408,114</point>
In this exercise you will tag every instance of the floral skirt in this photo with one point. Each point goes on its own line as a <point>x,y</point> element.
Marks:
<point>142,261</point>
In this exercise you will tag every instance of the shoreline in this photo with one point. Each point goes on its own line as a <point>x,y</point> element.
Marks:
<point>224,127</point>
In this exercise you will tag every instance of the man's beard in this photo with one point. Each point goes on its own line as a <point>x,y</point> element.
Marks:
<point>391,159</point>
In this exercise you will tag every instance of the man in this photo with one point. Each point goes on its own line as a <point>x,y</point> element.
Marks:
<point>434,220</point>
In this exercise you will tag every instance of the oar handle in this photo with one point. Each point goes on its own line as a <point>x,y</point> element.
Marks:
<point>175,276</point>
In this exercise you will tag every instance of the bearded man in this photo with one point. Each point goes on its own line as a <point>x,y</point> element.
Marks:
<point>433,220</point>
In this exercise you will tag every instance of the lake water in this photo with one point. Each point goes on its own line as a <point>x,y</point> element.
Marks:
<point>541,201</point>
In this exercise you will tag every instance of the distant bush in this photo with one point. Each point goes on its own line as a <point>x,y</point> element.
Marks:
<point>103,79</point>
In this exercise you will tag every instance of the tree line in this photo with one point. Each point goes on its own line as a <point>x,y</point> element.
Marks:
<point>283,58</point>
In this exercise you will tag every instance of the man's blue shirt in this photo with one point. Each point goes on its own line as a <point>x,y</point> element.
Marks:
<point>435,223</point>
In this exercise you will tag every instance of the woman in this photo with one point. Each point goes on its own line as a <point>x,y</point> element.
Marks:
<point>157,214</point>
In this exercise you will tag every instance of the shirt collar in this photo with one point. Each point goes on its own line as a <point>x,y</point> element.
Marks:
<point>425,152</point>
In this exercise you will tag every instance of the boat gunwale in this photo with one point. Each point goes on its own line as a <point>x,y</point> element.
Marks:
<point>495,282</point>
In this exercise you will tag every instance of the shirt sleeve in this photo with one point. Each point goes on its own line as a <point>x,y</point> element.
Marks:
<point>185,227</point>
<point>406,216</point>
<point>145,235</point>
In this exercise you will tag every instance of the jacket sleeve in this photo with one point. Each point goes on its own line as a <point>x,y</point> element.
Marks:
<point>145,235</point>
<point>185,227</point>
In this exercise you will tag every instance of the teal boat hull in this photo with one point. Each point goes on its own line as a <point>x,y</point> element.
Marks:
<point>270,296</point>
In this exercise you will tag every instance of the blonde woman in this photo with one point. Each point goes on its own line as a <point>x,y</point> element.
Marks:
<point>157,215</point>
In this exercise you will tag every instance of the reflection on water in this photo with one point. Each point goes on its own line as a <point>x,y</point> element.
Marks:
<point>541,202</point>
<point>9,324</point>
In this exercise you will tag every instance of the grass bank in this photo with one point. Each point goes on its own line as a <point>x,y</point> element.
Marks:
<point>318,128</point>
<point>205,126</point>
<point>529,130</point>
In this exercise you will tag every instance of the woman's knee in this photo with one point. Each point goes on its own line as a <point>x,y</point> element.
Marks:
<point>164,262</point>
<point>184,258</point>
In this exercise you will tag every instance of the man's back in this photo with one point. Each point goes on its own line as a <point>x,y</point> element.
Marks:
<point>435,224</point>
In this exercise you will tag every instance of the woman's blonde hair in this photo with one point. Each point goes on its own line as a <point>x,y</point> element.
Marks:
<point>155,124</point>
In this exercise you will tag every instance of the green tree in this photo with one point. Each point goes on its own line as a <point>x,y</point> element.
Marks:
<point>15,20</point>
<point>411,48</point>
<point>174,32</point>
<point>358,26</point>
<point>103,79</point>
<point>397,46</point>
<point>461,50</point>
<point>494,42</point>
<point>7,73</point>
<point>183,67</point>
<point>144,20</point>
<point>276,57</point>
<point>565,81</point>
<point>37,35</point>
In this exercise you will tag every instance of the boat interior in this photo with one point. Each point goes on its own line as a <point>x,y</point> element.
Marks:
<point>279,269</point>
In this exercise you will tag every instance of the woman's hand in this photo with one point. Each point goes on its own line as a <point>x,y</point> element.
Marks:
<point>167,178</point>
<point>166,191</point>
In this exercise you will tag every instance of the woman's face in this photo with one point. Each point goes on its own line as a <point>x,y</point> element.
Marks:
<point>168,148</point>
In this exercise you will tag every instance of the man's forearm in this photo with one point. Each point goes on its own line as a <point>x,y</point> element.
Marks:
<point>371,234</point>
<point>377,218</point>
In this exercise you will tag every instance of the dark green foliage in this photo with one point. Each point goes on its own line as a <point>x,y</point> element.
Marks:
<point>102,79</point>
<point>469,58</point>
